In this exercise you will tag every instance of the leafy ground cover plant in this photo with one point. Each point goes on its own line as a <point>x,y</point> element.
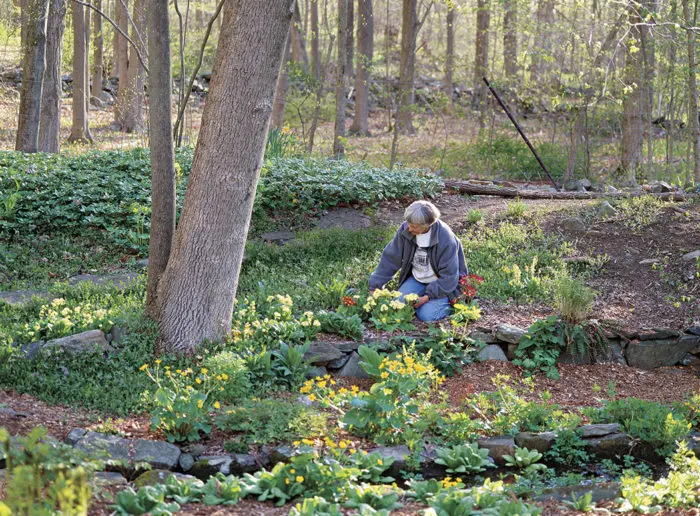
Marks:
<point>349,326</point>
<point>388,312</point>
<point>467,458</point>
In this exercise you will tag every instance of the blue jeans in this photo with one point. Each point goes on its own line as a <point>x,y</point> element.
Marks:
<point>433,310</point>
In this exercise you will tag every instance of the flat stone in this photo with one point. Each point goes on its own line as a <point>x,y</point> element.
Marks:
<point>600,491</point>
<point>598,430</point>
<point>186,461</point>
<point>692,341</point>
<point>693,255</point>
<point>658,334</point>
<point>610,446</point>
<point>78,343</point>
<point>158,476</point>
<point>277,237</point>
<point>573,224</point>
<point>487,338</point>
<point>120,281</point>
<point>398,453</point>
<point>209,466</point>
<point>498,447</point>
<point>282,453</point>
<point>159,454</point>
<point>606,210</point>
<point>338,362</point>
<point>347,347</point>
<point>541,441</point>
<point>75,435</point>
<point>243,463</point>
<point>321,353</point>
<point>660,187</point>
<point>508,333</point>
<point>345,218</point>
<point>195,449</point>
<point>104,446</point>
<point>8,412</point>
<point>22,297</point>
<point>649,261</point>
<point>314,371</point>
<point>694,330</point>
<point>352,368</point>
<point>109,478</point>
<point>651,354</point>
<point>492,352</point>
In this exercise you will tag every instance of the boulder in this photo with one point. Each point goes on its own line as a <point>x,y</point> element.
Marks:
<point>347,347</point>
<point>338,362</point>
<point>74,436</point>
<point>186,462</point>
<point>573,225</point>
<point>243,463</point>
<point>104,446</point>
<point>109,478</point>
<point>508,333</point>
<point>483,336</point>
<point>650,354</point>
<point>282,453</point>
<point>209,466</point>
<point>314,371</point>
<point>498,447</point>
<point>610,446</point>
<point>692,341</point>
<point>542,441</point>
<point>492,352</point>
<point>321,353</point>
<point>692,256</point>
<point>400,454</point>
<point>8,412</point>
<point>660,187</point>
<point>79,343</point>
<point>598,430</point>
<point>159,454</point>
<point>658,334</point>
<point>605,210</point>
<point>694,330</point>
<point>352,368</point>
<point>22,297</point>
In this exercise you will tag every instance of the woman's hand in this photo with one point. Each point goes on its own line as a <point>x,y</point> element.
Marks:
<point>421,301</point>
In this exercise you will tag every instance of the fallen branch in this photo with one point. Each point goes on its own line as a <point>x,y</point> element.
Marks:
<point>491,189</point>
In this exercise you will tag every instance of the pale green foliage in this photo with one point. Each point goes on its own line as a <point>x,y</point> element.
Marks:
<point>573,298</point>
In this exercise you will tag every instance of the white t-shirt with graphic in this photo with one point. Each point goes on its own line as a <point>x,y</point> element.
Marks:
<point>422,269</point>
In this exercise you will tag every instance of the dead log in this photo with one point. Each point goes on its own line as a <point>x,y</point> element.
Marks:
<point>492,189</point>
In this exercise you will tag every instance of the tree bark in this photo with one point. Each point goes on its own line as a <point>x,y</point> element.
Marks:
<point>280,102</point>
<point>299,54</point>
<point>340,77</point>
<point>98,47</point>
<point>693,89</point>
<point>541,57</point>
<point>481,53</point>
<point>448,83</point>
<point>163,203</point>
<point>80,131</point>
<point>121,53</point>
<point>407,64</point>
<point>350,32</point>
<point>510,39</point>
<point>315,48</point>
<point>87,13</point>
<point>133,107</point>
<point>50,125</point>
<point>365,55</point>
<point>198,288</point>
<point>33,65</point>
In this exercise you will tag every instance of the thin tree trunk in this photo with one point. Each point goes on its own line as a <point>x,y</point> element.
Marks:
<point>98,44</point>
<point>162,155</point>
<point>481,53</point>
<point>693,89</point>
<point>280,102</point>
<point>510,39</point>
<point>198,288</point>
<point>50,125</point>
<point>365,55</point>
<point>340,77</point>
<point>315,49</point>
<point>33,65</point>
<point>133,119</point>
<point>86,25</point>
<point>350,32</point>
<point>80,131</point>
<point>409,26</point>
<point>541,56</point>
<point>298,44</point>
<point>121,52</point>
<point>448,82</point>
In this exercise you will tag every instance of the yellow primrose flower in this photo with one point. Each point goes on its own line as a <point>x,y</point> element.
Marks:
<point>292,471</point>
<point>308,442</point>
<point>205,370</point>
<point>143,367</point>
<point>198,381</point>
<point>200,403</point>
<point>299,479</point>
<point>384,374</point>
<point>388,391</point>
<point>312,397</point>
<point>158,361</point>
<point>217,405</point>
<point>286,481</point>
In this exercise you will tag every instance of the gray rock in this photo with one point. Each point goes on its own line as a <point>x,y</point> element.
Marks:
<point>584,184</point>
<point>690,340</point>
<point>598,430</point>
<point>573,225</point>
<point>104,446</point>
<point>209,466</point>
<point>109,478</point>
<point>121,281</point>
<point>194,449</point>
<point>695,330</point>
<point>610,446</point>
<point>606,210</point>
<point>277,237</point>
<point>74,436</point>
<point>352,368</point>
<point>498,447</point>
<point>8,412</point>
<point>542,441</point>
<point>282,453</point>
<point>79,343</point>
<point>158,476</point>
<point>400,454</point>
<point>345,218</point>
<point>116,334</point>
<point>22,297</point>
<point>347,347</point>
<point>510,350</point>
<point>186,462</point>
<point>660,187</point>
<point>611,189</point>
<point>339,362</point>
<point>321,353</point>
<point>651,354</point>
<point>658,334</point>
<point>492,352</point>
<point>243,463</point>
<point>488,338</point>
<point>142,263</point>
<point>694,255</point>
<point>693,441</point>
<point>600,491</point>
<point>159,454</point>
<point>508,333</point>
<point>314,371</point>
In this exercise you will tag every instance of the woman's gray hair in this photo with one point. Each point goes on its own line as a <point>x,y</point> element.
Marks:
<point>422,213</point>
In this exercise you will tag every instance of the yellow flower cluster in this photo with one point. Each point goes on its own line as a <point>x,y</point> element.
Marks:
<point>318,382</point>
<point>447,482</point>
<point>402,365</point>
<point>56,318</point>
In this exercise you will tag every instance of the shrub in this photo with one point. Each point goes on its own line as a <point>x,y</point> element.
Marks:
<point>237,383</point>
<point>515,209</point>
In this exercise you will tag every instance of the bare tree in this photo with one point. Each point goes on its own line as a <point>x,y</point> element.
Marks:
<point>298,44</point>
<point>407,66</point>
<point>363,77</point>
<point>510,38</point>
<point>162,156</point>
<point>80,131</point>
<point>315,49</point>
<point>50,125</point>
<point>33,64</point>
<point>98,48</point>
<point>350,32</point>
<point>340,78</point>
<point>481,53</point>
<point>133,96</point>
<point>541,55</point>
<point>280,102</point>
<point>121,53</point>
<point>693,89</point>
<point>447,83</point>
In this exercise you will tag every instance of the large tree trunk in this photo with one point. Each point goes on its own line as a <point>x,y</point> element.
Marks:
<point>50,126</point>
<point>693,88</point>
<point>98,46</point>
<point>80,131</point>
<point>340,77</point>
<point>365,55</point>
<point>447,85</point>
<point>121,53</point>
<point>162,154</point>
<point>510,39</point>
<point>635,106</point>
<point>33,64</point>
<point>481,53</point>
<point>407,64</point>
<point>280,102</point>
<point>198,288</point>
<point>350,33</point>
<point>134,96</point>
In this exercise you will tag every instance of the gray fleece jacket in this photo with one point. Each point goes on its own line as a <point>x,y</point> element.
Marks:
<point>446,258</point>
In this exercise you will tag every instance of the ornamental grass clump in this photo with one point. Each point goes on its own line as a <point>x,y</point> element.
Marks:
<point>389,312</point>
<point>183,401</point>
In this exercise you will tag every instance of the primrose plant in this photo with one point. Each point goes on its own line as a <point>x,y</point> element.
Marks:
<point>388,311</point>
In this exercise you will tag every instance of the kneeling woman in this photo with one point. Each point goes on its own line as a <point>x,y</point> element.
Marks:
<point>430,260</point>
